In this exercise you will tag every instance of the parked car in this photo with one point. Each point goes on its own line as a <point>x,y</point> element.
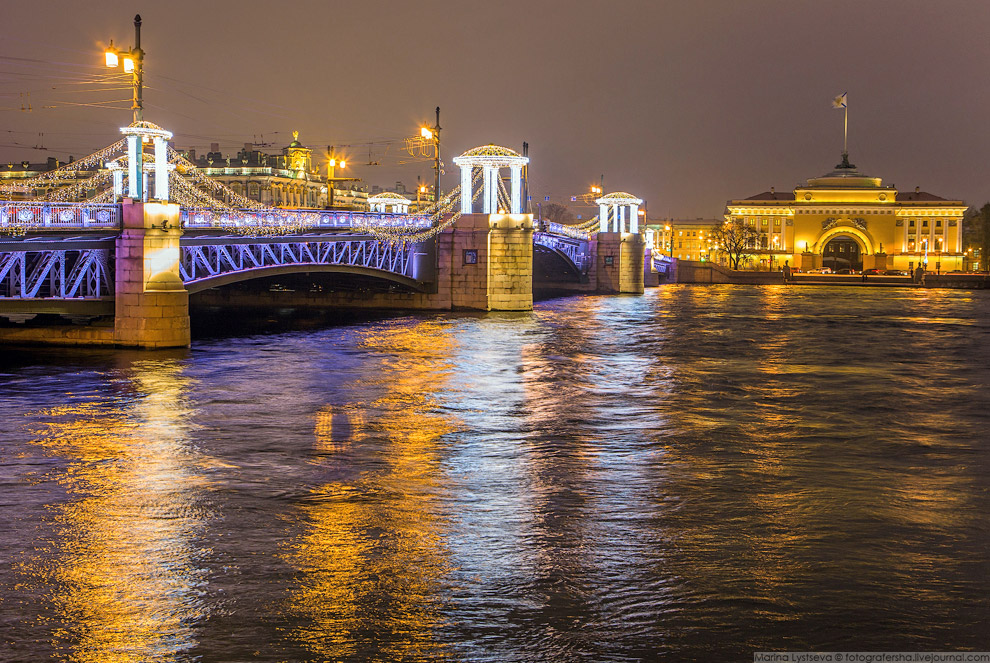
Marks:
<point>873,271</point>
<point>846,271</point>
<point>896,272</point>
<point>820,270</point>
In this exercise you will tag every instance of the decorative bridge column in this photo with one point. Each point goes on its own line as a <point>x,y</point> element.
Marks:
<point>488,257</point>
<point>620,261</point>
<point>151,304</point>
<point>137,182</point>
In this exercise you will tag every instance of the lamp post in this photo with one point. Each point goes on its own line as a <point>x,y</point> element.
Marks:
<point>434,133</point>
<point>938,257</point>
<point>332,164</point>
<point>133,63</point>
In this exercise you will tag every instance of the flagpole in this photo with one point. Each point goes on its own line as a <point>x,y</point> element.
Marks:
<point>845,131</point>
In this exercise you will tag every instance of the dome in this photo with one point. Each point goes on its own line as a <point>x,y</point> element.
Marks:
<point>491,155</point>
<point>619,198</point>
<point>491,150</point>
<point>389,198</point>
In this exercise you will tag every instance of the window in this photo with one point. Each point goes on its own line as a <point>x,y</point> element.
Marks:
<point>924,224</point>
<point>776,223</point>
<point>938,223</point>
<point>766,222</point>
<point>911,223</point>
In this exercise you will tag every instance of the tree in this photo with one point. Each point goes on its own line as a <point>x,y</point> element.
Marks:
<point>557,213</point>
<point>976,232</point>
<point>735,239</point>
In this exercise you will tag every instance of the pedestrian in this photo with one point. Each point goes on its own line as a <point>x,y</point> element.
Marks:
<point>787,272</point>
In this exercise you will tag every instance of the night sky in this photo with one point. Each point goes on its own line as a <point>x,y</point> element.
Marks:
<point>685,104</point>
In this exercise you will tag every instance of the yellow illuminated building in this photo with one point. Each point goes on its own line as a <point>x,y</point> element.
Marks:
<point>846,219</point>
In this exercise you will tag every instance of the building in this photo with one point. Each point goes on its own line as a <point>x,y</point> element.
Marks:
<point>287,179</point>
<point>684,239</point>
<point>845,219</point>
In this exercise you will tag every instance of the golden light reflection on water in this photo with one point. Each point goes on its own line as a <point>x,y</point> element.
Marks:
<point>123,563</point>
<point>373,558</point>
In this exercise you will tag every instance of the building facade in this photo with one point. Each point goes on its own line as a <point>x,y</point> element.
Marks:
<point>846,219</point>
<point>289,179</point>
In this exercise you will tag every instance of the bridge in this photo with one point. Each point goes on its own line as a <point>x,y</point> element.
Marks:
<point>123,264</point>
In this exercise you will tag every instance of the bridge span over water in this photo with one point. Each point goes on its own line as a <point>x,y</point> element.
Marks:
<point>153,232</point>
<point>139,263</point>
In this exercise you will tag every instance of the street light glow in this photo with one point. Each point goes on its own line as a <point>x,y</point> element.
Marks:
<point>111,58</point>
<point>425,133</point>
<point>128,64</point>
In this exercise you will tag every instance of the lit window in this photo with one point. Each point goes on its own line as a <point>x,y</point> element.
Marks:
<point>766,222</point>
<point>776,223</point>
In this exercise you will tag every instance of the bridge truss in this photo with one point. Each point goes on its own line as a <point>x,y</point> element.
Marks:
<point>206,259</point>
<point>27,272</point>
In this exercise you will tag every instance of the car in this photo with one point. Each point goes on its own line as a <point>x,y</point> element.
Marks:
<point>895,272</point>
<point>820,270</point>
<point>846,271</point>
<point>872,271</point>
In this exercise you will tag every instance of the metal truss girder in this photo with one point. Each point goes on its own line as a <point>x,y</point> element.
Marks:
<point>55,274</point>
<point>203,261</point>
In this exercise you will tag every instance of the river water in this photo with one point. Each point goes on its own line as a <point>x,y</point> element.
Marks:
<point>693,474</point>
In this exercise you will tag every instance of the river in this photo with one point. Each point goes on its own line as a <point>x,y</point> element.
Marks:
<point>697,473</point>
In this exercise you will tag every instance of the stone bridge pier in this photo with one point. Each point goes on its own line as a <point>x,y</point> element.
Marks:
<point>151,304</point>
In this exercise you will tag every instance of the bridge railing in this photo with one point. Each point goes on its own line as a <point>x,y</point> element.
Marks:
<point>317,219</point>
<point>55,216</point>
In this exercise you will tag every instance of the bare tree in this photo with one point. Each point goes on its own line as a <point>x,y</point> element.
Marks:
<point>735,239</point>
<point>557,213</point>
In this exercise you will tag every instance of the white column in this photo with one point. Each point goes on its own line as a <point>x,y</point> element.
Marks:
<point>161,169</point>
<point>466,193</point>
<point>118,182</point>
<point>490,193</point>
<point>602,217</point>
<point>516,174</point>
<point>134,166</point>
<point>616,219</point>
<point>634,218</point>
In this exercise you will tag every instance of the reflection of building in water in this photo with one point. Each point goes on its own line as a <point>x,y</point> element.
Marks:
<point>846,219</point>
<point>126,560</point>
<point>287,179</point>
<point>373,558</point>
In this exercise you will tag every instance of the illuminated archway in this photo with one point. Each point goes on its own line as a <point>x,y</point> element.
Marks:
<point>861,237</point>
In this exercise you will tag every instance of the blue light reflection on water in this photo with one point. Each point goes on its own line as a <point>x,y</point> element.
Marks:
<point>701,471</point>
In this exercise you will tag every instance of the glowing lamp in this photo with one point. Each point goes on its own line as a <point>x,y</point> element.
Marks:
<point>111,58</point>
<point>343,164</point>
<point>425,133</point>
<point>128,64</point>
<point>333,163</point>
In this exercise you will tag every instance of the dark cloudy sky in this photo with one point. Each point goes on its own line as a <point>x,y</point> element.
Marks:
<point>685,103</point>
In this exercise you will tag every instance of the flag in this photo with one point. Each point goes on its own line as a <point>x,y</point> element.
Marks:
<point>573,199</point>
<point>840,101</point>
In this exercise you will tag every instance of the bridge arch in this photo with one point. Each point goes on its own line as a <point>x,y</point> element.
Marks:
<point>229,278</point>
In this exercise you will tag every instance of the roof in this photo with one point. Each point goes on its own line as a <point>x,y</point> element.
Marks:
<point>388,197</point>
<point>772,195</point>
<point>619,197</point>
<point>917,196</point>
<point>490,150</point>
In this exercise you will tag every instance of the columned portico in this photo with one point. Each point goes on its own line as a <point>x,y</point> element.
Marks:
<point>615,209</point>
<point>489,159</point>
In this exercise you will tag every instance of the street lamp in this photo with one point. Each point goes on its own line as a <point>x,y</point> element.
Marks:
<point>133,64</point>
<point>434,133</point>
<point>332,165</point>
<point>938,257</point>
